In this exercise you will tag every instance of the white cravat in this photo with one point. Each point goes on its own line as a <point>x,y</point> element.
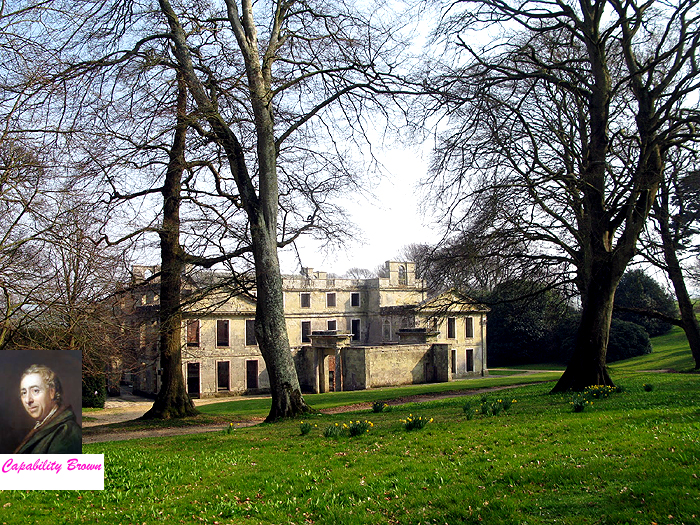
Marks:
<point>53,411</point>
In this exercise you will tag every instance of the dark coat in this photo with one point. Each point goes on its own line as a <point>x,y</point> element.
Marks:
<point>60,435</point>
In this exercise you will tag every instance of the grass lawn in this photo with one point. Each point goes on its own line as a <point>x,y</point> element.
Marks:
<point>243,408</point>
<point>670,352</point>
<point>631,458</point>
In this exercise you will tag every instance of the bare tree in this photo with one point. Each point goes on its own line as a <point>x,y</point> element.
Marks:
<point>360,273</point>
<point>676,221</point>
<point>22,187</point>
<point>263,161</point>
<point>73,307</point>
<point>293,64</point>
<point>540,118</point>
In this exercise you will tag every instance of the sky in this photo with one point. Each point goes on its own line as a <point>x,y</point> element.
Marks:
<point>387,223</point>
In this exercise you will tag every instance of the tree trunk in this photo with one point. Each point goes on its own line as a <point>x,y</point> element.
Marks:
<point>261,209</point>
<point>587,365</point>
<point>271,329</point>
<point>673,268</point>
<point>172,400</point>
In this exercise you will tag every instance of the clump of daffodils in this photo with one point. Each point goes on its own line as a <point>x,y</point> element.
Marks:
<point>415,423</point>
<point>304,427</point>
<point>379,406</point>
<point>599,391</point>
<point>357,428</point>
<point>334,431</point>
<point>580,402</point>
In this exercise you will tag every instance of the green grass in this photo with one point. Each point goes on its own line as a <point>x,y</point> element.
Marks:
<point>631,458</point>
<point>259,407</point>
<point>670,352</point>
<point>533,366</point>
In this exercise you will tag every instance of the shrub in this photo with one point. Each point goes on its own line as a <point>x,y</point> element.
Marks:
<point>638,290</point>
<point>94,391</point>
<point>627,340</point>
<point>415,423</point>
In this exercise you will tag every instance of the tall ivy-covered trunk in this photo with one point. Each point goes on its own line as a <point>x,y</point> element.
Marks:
<point>172,400</point>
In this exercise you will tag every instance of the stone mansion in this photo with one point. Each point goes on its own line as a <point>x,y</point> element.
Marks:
<point>345,334</point>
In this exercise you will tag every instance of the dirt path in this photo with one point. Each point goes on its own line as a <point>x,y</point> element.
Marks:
<point>129,407</point>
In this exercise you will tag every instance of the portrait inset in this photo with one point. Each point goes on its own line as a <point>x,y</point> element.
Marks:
<point>41,402</point>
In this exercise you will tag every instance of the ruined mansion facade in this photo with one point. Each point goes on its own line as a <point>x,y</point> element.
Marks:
<point>345,334</point>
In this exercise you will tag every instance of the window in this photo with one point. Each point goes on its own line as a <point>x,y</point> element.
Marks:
<point>453,364</point>
<point>330,300</point>
<point>470,360</point>
<point>451,331</point>
<point>193,380</point>
<point>251,374</point>
<point>433,324</point>
<point>332,324</point>
<point>386,330</point>
<point>306,331</point>
<point>469,321</point>
<point>250,339</point>
<point>223,369</point>
<point>193,332</point>
<point>305,299</point>
<point>355,329</point>
<point>222,332</point>
<point>355,299</point>
<point>403,278</point>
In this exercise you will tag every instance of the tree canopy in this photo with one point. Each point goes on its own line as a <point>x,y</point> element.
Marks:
<point>555,137</point>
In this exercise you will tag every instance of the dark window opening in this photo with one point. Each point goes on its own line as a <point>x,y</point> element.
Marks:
<point>330,300</point>
<point>193,332</point>
<point>332,324</point>
<point>355,299</point>
<point>470,327</point>
<point>451,327</point>
<point>250,339</point>
<point>306,331</point>
<point>222,332</point>
<point>470,360</point>
<point>355,329</point>
<point>223,369</point>
<point>305,299</point>
<point>251,374</point>
<point>193,379</point>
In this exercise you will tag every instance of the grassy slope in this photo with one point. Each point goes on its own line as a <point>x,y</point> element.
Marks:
<point>631,458</point>
<point>670,352</point>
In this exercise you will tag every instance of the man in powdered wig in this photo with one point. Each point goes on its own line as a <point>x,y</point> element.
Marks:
<point>56,430</point>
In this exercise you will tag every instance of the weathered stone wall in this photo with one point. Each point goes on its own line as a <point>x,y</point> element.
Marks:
<point>305,364</point>
<point>398,364</point>
<point>237,353</point>
<point>353,368</point>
